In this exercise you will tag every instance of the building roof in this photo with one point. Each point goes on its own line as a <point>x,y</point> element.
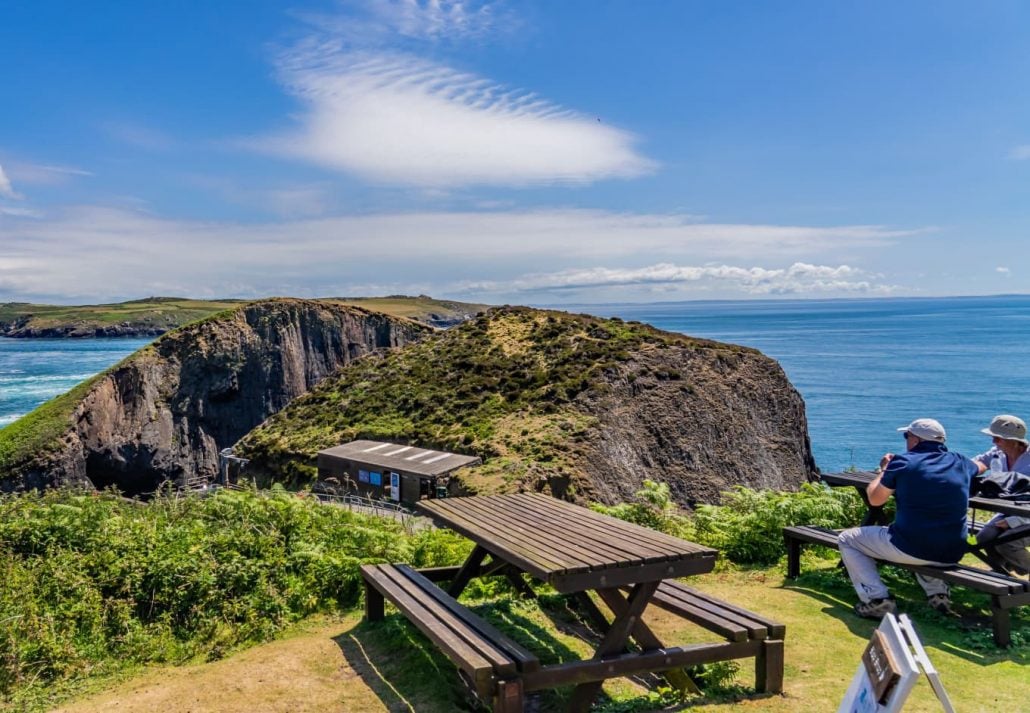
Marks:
<point>408,459</point>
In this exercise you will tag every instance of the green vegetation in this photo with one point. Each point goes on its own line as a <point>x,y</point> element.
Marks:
<point>500,386</point>
<point>152,313</point>
<point>93,583</point>
<point>160,314</point>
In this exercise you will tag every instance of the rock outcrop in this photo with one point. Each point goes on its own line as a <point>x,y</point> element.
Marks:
<point>166,411</point>
<point>581,407</point>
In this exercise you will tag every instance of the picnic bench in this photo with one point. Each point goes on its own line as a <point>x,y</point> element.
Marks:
<point>576,551</point>
<point>1006,592</point>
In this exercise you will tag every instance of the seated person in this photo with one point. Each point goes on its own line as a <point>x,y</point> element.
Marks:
<point>930,485</point>
<point>1009,453</point>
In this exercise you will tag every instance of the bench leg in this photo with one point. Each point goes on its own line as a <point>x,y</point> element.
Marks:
<point>374,604</point>
<point>467,571</point>
<point>514,578</point>
<point>1002,622</point>
<point>793,557</point>
<point>509,698</point>
<point>769,667</point>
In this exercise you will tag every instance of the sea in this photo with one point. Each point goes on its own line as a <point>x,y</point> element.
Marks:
<point>865,367</point>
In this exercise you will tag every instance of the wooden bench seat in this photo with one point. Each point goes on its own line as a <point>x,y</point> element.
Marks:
<point>733,623</point>
<point>1006,592</point>
<point>491,662</point>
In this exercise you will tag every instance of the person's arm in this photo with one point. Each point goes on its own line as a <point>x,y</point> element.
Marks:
<point>876,492</point>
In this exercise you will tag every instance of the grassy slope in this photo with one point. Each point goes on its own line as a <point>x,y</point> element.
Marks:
<point>172,312</point>
<point>161,312</point>
<point>346,665</point>
<point>501,386</point>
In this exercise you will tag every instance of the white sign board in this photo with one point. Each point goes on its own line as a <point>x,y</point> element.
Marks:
<point>395,487</point>
<point>889,669</point>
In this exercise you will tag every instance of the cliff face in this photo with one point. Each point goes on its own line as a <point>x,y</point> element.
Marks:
<point>699,420</point>
<point>168,410</point>
<point>574,405</point>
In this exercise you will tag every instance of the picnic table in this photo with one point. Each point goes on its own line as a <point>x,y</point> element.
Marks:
<point>576,551</point>
<point>1006,592</point>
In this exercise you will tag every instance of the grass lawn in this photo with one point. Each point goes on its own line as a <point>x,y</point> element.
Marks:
<point>343,664</point>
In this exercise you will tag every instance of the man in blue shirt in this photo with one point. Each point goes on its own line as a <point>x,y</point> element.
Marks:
<point>930,486</point>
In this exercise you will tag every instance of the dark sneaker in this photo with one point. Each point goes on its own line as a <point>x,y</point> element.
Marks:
<point>877,608</point>
<point>941,604</point>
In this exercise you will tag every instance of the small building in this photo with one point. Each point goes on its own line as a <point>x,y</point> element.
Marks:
<point>389,471</point>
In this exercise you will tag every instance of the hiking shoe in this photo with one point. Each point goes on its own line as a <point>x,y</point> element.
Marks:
<point>877,608</point>
<point>941,603</point>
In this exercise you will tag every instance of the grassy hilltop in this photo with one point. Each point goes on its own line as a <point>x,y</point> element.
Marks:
<point>156,315</point>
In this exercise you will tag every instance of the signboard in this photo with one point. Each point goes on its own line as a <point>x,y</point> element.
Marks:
<point>395,487</point>
<point>890,666</point>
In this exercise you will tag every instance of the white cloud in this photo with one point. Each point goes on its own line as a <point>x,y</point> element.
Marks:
<point>400,120</point>
<point>1003,270</point>
<point>436,19</point>
<point>93,253</point>
<point>6,189</point>
<point>797,278</point>
<point>1020,153</point>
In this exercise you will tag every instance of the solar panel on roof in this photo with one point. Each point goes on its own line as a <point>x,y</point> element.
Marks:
<point>439,457</point>
<point>399,450</point>
<point>420,455</point>
<point>376,448</point>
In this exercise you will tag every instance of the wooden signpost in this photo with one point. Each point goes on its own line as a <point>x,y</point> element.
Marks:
<point>891,665</point>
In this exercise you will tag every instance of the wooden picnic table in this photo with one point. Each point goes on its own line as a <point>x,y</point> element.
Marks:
<point>576,550</point>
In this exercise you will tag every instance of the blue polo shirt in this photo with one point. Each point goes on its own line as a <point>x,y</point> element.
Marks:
<point>931,491</point>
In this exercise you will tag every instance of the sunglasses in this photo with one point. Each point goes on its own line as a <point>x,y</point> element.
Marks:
<point>905,435</point>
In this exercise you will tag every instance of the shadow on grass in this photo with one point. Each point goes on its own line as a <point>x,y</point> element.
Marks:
<point>408,673</point>
<point>968,636</point>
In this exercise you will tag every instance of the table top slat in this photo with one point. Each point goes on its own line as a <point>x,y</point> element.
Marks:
<point>499,539</point>
<point>589,536</point>
<point>654,539</point>
<point>530,535</point>
<point>554,540</point>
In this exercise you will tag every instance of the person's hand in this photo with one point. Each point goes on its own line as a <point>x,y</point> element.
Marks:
<point>885,460</point>
<point>1002,524</point>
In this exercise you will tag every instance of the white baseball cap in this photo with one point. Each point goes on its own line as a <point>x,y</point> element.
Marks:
<point>1009,428</point>
<point>926,429</point>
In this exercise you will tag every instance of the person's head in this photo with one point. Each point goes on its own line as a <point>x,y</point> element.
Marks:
<point>1007,432</point>
<point>923,429</point>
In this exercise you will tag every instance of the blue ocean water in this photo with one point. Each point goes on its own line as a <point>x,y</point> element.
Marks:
<point>35,370</point>
<point>865,367</point>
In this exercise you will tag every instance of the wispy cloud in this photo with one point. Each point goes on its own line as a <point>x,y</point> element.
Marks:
<point>105,253</point>
<point>797,278</point>
<point>6,189</point>
<point>43,174</point>
<point>1020,153</point>
<point>1003,270</point>
<point>394,118</point>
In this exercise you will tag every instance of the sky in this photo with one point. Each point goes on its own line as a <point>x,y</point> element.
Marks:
<point>527,152</point>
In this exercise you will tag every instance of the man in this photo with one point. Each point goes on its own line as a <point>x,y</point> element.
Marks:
<point>1009,453</point>
<point>931,491</point>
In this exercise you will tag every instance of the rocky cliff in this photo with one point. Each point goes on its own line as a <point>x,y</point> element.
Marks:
<point>167,411</point>
<point>581,407</point>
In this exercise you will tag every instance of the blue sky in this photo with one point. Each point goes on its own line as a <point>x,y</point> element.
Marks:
<point>530,152</point>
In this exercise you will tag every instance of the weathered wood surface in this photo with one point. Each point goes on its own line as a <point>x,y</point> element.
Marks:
<point>474,645</point>
<point>570,547</point>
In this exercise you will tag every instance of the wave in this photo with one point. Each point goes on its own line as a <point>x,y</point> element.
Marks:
<point>75,378</point>
<point>10,418</point>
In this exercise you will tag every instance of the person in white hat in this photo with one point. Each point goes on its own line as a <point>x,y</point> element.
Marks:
<point>930,486</point>
<point>1009,452</point>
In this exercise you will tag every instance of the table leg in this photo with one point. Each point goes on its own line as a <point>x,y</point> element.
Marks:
<point>615,640</point>
<point>642,634</point>
<point>467,571</point>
